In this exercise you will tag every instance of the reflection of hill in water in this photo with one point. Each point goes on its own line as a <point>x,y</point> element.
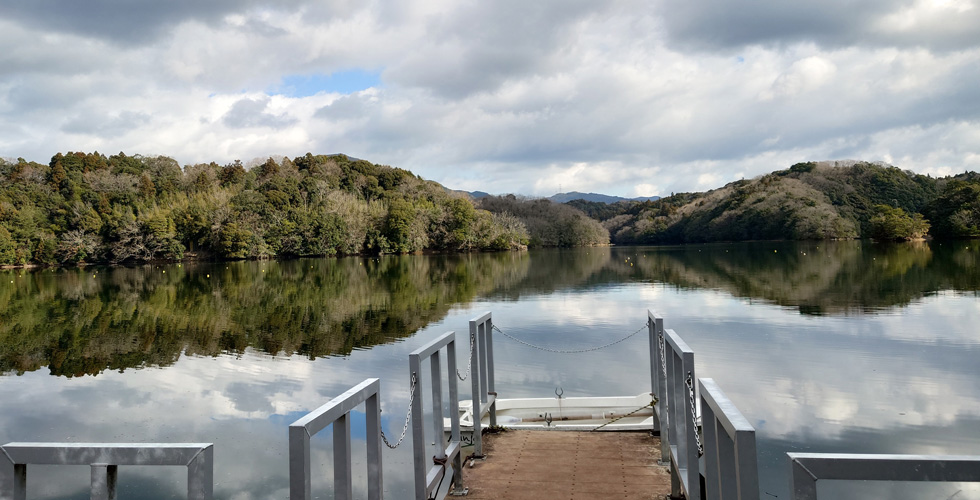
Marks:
<point>817,277</point>
<point>83,321</point>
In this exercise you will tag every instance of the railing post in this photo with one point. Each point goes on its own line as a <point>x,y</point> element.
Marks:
<point>682,426</point>
<point>428,478</point>
<point>658,381</point>
<point>337,412</point>
<point>730,463</point>
<point>418,432</point>
<point>343,488</point>
<point>13,479</point>
<point>372,409</point>
<point>103,482</point>
<point>481,337</point>
<point>299,464</point>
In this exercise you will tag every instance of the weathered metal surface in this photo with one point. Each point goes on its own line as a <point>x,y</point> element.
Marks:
<point>730,466</point>
<point>481,335</point>
<point>808,468</point>
<point>104,459</point>
<point>569,465</point>
<point>337,412</point>
<point>428,474</point>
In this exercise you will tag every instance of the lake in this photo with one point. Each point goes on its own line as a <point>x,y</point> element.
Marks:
<point>824,346</point>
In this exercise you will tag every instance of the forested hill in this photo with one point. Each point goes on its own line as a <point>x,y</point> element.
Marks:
<point>807,201</point>
<point>88,207</point>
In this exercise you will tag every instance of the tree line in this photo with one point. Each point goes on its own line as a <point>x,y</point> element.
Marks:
<point>89,207</point>
<point>808,201</point>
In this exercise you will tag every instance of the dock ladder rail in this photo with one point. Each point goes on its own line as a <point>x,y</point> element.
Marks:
<point>428,481</point>
<point>727,452</point>
<point>104,459</point>
<point>337,412</point>
<point>731,470</point>
<point>484,394</point>
<point>808,468</point>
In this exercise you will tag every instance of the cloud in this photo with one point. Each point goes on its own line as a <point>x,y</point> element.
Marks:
<point>501,97</point>
<point>247,113</point>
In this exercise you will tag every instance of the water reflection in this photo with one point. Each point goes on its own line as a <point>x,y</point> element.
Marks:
<point>881,360</point>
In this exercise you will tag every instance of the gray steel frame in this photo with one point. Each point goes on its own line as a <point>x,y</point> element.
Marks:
<point>658,383</point>
<point>427,481</point>
<point>730,468</point>
<point>681,429</point>
<point>484,395</point>
<point>337,412</point>
<point>104,459</point>
<point>810,467</point>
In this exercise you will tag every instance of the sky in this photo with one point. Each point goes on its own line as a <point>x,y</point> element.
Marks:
<point>622,97</point>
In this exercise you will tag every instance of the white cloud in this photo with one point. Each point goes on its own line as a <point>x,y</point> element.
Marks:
<point>595,96</point>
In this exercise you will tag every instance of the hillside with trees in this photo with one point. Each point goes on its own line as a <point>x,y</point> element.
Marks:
<point>549,224</point>
<point>88,207</point>
<point>808,201</point>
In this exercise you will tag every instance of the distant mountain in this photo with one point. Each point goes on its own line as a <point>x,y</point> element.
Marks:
<point>601,198</point>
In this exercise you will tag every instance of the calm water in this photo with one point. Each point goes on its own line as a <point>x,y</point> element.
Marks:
<point>843,347</point>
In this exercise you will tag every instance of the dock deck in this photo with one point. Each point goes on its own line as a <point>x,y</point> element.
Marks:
<point>568,465</point>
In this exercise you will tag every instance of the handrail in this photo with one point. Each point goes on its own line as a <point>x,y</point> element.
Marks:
<point>658,383</point>
<point>681,425</point>
<point>730,465</point>
<point>808,468</point>
<point>427,481</point>
<point>337,412</point>
<point>484,395</point>
<point>104,459</point>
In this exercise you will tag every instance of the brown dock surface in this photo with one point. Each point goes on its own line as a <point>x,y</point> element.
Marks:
<point>568,465</point>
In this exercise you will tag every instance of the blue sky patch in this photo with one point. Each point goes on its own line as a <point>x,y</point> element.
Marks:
<point>344,82</point>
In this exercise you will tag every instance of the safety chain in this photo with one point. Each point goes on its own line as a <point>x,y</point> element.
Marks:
<point>469,363</point>
<point>617,419</point>
<point>411,399</point>
<point>663,354</point>
<point>573,351</point>
<point>694,413</point>
<point>663,368</point>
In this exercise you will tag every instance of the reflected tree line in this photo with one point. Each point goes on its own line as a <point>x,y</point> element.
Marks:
<point>86,321</point>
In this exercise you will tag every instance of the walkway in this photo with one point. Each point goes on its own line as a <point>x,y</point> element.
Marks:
<point>568,465</point>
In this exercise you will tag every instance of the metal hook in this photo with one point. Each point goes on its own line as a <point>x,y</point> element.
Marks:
<point>547,419</point>
<point>559,393</point>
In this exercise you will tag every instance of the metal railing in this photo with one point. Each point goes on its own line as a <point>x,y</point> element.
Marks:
<point>104,459</point>
<point>426,482</point>
<point>484,395</point>
<point>658,382</point>
<point>679,418</point>
<point>337,412</point>
<point>808,468</point>
<point>731,469</point>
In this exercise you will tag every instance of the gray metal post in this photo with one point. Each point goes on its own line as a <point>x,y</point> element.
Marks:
<point>428,478</point>
<point>337,412</point>
<point>13,479</point>
<point>807,468</point>
<point>438,424</point>
<point>475,371</point>
<point>372,409</point>
<point>418,432</point>
<point>200,475</point>
<point>459,489</point>
<point>491,391</point>
<point>683,429</point>
<point>343,488</point>
<point>299,464</point>
<point>730,464</point>
<point>103,482</point>
<point>659,384</point>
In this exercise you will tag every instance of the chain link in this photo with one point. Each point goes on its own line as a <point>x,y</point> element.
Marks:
<point>469,363</point>
<point>694,413</point>
<point>617,419</point>
<point>573,351</point>
<point>408,418</point>
<point>663,367</point>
